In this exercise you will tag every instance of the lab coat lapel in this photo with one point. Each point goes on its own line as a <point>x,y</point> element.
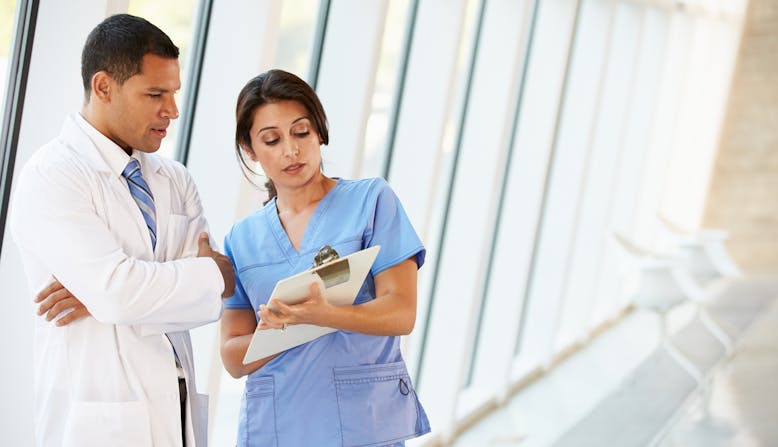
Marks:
<point>74,137</point>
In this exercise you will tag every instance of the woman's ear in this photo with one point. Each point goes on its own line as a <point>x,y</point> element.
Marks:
<point>248,151</point>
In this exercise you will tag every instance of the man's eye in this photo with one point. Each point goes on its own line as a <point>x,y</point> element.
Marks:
<point>155,95</point>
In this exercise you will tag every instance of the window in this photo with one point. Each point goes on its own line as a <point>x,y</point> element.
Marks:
<point>175,18</point>
<point>295,36</point>
<point>384,90</point>
<point>7,10</point>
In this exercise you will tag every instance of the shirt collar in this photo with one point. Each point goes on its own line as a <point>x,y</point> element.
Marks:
<point>114,156</point>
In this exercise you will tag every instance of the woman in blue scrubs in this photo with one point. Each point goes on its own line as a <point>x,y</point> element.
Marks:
<point>350,387</point>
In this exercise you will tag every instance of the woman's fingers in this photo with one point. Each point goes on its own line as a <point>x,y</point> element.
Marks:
<point>315,290</point>
<point>270,318</point>
<point>277,314</point>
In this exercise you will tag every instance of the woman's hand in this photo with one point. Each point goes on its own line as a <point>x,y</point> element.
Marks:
<point>392,312</point>
<point>314,310</point>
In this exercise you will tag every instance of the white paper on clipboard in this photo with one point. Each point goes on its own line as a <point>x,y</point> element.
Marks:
<point>339,280</point>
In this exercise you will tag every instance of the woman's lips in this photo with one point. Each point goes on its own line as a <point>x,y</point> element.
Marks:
<point>294,169</point>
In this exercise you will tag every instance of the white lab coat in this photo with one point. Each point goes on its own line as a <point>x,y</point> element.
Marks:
<point>111,379</point>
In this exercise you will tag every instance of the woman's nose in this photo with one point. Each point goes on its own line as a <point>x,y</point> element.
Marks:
<point>292,149</point>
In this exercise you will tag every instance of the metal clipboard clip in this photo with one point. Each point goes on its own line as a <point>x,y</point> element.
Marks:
<point>331,269</point>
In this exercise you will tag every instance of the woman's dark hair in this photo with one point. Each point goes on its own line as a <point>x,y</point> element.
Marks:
<point>270,87</point>
<point>117,46</point>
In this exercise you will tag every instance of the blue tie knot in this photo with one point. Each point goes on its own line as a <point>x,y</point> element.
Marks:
<point>132,169</point>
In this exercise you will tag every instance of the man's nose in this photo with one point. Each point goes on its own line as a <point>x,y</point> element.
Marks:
<point>170,110</point>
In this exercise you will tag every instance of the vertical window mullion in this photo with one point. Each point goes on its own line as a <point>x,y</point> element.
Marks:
<point>21,53</point>
<point>193,79</point>
<point>318,43</point>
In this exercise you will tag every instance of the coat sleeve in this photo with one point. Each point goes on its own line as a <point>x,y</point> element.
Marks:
<point>55,222</point>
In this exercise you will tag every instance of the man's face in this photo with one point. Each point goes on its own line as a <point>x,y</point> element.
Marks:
<point>140,110</point>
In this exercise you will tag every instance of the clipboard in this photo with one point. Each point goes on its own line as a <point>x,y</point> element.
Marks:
<point>339,280</point>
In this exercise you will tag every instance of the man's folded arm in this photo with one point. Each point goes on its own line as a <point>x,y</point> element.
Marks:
<point>53,219</point>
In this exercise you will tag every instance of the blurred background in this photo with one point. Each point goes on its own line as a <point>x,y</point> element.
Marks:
<point>594,181</point>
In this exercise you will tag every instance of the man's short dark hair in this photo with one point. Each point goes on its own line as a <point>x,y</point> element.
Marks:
<point>117,46</point>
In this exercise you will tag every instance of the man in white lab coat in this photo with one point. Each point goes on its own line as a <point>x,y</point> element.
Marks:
<point>124,242</point>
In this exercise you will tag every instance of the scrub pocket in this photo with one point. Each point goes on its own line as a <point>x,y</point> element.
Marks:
<point>377,405</point>
<point>257,426</point>
<point>97,424</point>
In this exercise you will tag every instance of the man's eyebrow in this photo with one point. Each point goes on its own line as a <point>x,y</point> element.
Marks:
<point>158,90</point>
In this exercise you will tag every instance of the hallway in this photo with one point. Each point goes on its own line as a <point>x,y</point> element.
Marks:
<point>646,398</point>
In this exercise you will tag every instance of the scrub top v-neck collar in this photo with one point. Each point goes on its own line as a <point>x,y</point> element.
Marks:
<point>311,227</point>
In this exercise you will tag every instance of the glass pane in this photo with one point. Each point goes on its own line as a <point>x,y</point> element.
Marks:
<point>434,224</point>
<point>7,15</point>
<point>534,134</point>
<point>176,19</point>
<point>295,37</point>
<point>384,93</point>
<point>567,176</point>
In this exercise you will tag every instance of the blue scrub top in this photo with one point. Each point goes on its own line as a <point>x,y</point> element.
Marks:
<point>345,388</point>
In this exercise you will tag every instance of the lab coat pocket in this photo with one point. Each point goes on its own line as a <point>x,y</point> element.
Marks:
<point>118,424</point>
<point>377,405</point>
<point>257,425</point>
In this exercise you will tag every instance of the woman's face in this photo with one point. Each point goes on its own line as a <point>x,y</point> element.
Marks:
<point>286,144</point>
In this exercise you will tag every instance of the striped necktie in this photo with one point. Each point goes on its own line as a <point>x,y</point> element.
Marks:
<point>142,194</point>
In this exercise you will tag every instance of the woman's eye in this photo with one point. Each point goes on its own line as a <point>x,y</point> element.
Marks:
<point>302,134</point>
<point>272,142</point>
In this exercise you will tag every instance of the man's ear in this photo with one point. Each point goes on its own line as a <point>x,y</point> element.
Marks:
<point>102,86</point>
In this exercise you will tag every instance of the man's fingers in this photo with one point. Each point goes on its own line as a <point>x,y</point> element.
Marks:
<point>77,314</point>
<point>48,290</point>
<point>52,299</point>
<point>203,245</point>
<point>228,273</point>
<point>61,306</point>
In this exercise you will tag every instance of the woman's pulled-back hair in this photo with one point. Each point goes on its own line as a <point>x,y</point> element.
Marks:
<point>271,87</point>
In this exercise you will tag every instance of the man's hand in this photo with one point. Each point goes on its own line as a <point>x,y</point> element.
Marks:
<point>225,266</point>
<point>56,299</point>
